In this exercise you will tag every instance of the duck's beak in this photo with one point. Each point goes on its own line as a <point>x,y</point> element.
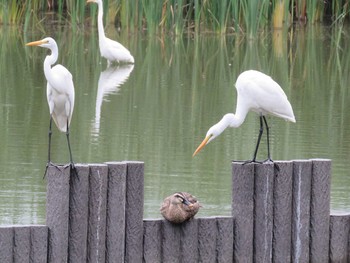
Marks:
<point>36,43</point>
<point>201,146</point>
<point>188,203</point>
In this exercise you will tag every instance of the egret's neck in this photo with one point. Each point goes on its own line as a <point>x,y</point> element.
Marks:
<point>101,31</point>
<point>49,61</point>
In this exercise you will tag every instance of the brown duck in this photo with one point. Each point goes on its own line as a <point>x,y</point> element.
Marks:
<point>179,207</point>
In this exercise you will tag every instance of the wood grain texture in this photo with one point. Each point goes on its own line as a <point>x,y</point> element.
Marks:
<point>243,211</point>
<point>97,212</point>
<point>339,238</point>
<point>57,212</point>
<point>282,220</point>
<point>115,239</point>
<point>263,212</point>
<point>320,210</point>
<point>302,170</point>
<point>152,237</point>
<point>134,212</point>
<point>78,214</point>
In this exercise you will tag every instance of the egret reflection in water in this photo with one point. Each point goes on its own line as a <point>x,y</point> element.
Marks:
<point>109,83</point>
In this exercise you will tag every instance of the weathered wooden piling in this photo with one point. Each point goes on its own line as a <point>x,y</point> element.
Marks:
<point>289,207</point>
<point>78,214</point>
<point>134,212</point>
<point>320,210</point>
<point>115,239</point>
<point>243,211</point>
<point>281,213</point>
<point>339,238</point>
<point>57,212</point>
<point>27,243</point>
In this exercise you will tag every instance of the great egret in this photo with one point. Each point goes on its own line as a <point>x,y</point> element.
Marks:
<point>257,92</point>
<point>179,207</point>
<point>59,92</point>
<point>110,49</point>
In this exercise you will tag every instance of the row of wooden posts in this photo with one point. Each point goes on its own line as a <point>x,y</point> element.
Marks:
<point>280,213</point>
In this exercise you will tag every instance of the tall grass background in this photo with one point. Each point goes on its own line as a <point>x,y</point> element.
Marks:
<point>178,16</point>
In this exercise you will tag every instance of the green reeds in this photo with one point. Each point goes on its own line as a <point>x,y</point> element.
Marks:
<point>181,16</point>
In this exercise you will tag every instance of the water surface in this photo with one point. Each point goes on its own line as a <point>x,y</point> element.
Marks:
<point>160,109</point>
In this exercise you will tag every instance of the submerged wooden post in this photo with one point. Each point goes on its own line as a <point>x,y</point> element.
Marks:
<point>57,212</point>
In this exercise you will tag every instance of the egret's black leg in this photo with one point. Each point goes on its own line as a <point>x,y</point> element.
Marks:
<point>269,159</point>
<point>70,151</point>
<point>261,130</point>
<point>268,140</point>
<point>49,150</point>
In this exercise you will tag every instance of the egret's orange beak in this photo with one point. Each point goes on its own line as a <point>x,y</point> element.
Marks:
<point>204,142</point>
<point>36,43</point>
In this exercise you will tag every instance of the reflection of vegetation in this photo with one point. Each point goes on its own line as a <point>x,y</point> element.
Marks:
<point>179,16</point>
<point>175,92</point>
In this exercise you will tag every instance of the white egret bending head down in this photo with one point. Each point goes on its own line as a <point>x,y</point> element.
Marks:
<point>59,92</point>
<point>110,49</point>
<point>256,92</point>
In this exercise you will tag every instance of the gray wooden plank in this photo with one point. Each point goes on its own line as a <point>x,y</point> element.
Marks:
<point>57,212</point>
<point>243,210</point>
<point>134,212</point>
<point>97,212</point>
<point>116,199</point>
<point>78,214</point>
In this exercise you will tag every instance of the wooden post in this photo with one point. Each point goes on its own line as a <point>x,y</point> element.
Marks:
<point>243,211</point>
<point>189,241</point>
<point>171,242</point>
<point>301,211</point>
<point>57,212</point>
<point>152,241</point>
<point>339,238</point>
<point>6,243</point>
<point>263,212</point>
<point>78,214</point>
<point>320,210</point>
<point>134,212</point>
<point>38,241</point>
<point>224,245</point>
<point>21,248</point>
<point>115,239</point>
<point>207,233</point>
<point>97,213</point>
<point>282,220</point>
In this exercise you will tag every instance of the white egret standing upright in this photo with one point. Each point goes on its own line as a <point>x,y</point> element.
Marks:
<point>256,92</point>
<point>110,49</point>
<point>59,92</point>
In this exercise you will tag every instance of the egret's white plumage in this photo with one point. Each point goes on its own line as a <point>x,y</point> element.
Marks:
<point>59,90</point>
<point>110,49</point>
<point>256,92</point>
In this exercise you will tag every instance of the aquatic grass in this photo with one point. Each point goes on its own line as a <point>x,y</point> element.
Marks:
<point>181,16</point>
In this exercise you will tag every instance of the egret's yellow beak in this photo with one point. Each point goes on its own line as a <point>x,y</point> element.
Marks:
<point>204,142</point>
<point>90,1</point>
<point>36,43</point>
